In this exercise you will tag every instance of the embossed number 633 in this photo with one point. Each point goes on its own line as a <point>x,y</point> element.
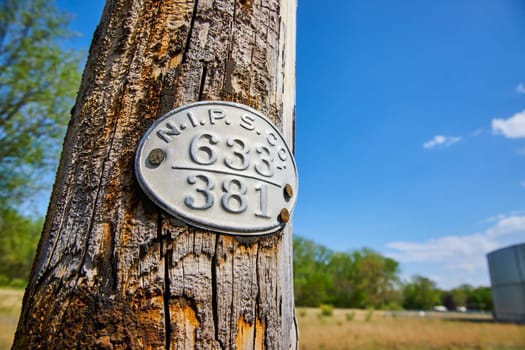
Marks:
<point>203,151</point>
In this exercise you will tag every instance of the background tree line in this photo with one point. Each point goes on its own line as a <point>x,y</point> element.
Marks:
<point>358,279</point>
<point>39,79</point>
<point>364,278</point>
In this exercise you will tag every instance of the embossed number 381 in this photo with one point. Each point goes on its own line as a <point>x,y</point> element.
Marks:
<point>233,198</point>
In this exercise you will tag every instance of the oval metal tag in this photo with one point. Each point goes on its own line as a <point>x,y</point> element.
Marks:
<point>220,166</point>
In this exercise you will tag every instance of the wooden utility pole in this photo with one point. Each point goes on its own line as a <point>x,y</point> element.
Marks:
<point>113,271</point>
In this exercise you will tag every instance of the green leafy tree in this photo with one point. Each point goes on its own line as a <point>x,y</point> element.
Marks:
<point>312,280</point>
<point>461,294</point>
<point>344,291</point>
<point>18,240</point>
<point>480,299</point>
<point>38,82</point>
<point>420,294</point>
<point>376,279</point>
<point>362,278</point>
<point>448,300</point>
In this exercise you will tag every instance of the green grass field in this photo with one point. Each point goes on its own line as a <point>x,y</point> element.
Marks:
<point>360,329</point>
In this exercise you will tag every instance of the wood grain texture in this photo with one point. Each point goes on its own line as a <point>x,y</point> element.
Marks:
<point>112,270</point>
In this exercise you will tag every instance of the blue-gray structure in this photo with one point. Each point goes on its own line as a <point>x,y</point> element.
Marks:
<point>507,276</point>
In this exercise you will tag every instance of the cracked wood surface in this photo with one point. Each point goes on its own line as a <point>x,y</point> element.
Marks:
<point>112,270</point>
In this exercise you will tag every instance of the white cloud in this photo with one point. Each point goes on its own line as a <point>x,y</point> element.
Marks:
<point>476,132</point>
<point>506,226</point>
<point>458,259</point>
<point>500,217</point>
<point>520,89</point>
<point>441,141</point>
<point>441,249</point>
<point>512,128</point>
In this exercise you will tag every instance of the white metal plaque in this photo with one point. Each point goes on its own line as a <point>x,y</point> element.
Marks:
<point>220,166</point>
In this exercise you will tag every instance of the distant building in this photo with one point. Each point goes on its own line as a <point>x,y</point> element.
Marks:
<point>507,276</point>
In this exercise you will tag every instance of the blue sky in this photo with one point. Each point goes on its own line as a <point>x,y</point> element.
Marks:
<point>410,128</point>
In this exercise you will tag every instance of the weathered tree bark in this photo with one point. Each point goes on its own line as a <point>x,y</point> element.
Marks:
<point>112,270</point>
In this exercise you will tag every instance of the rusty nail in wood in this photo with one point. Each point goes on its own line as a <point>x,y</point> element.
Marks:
<point>284,215</point>
<point>288,190</point>
<point>156,156</point>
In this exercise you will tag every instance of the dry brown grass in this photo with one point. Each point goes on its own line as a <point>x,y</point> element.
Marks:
<point>349,329</point>
<point>385,331</point>
<point>10,304</point>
